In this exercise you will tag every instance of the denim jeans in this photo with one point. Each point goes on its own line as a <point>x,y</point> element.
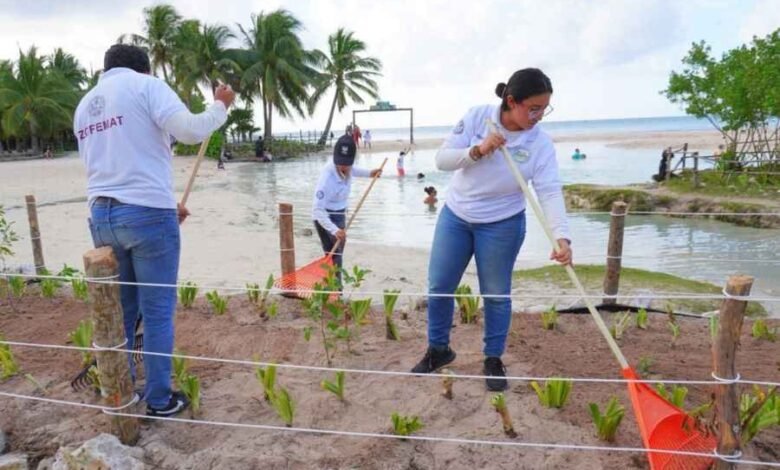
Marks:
<point>146,243</point>
<point>495,247</point>
<point>338,217</point>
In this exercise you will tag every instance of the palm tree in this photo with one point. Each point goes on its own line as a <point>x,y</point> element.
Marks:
<point>160,26</point>
<point>35,102</point>
<point>68,67</point>
<point>346,70</point>
<point>200,53</point>
<point>276,66</point>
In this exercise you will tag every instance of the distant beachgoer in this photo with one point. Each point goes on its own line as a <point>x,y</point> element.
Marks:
<point>367,139</point>
<point>356,135</point>
<point>663,166</point>
<point>420,176</point>
<point>259,147</point>
<point>399,165</point>
<point>719,151</point>
<point>577,155</point>
<point>484,215</point>
<point>431,200</point>
<point>48,153</point>
<point>331,138</point>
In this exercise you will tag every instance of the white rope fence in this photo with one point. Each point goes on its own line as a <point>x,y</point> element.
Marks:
<point>274,290</point>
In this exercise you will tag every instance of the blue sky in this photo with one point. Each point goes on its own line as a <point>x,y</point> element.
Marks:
<point>607,59</point>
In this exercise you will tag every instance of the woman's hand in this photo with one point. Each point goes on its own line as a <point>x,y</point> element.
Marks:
<point>182,213</point>
<point>492,142</point>
<point>564,255</point>
<point>375,173</point>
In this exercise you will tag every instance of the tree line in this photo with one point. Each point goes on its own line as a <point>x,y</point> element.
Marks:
<point>265,61</point>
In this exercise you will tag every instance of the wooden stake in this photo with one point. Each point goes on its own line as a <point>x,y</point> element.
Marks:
<point>614,252</point>
<point>286,238</point>
<point>113,368</point>
<point>696,170</point>
<point>35,234</point>
<point>732,312</point>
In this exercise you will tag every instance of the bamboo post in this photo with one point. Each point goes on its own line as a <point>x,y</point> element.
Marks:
<point>614,252</point>
<point>35,234</point>
<point>695,170</point>
<point>732,312</point>
<point>286,238</point>
<point>115,383</point>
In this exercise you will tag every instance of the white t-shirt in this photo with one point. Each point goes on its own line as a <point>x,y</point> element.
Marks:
<point>486,191</point>
<point>120,129</point>
<point>332,194</point>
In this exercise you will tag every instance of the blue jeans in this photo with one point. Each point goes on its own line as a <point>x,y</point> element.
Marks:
<point>495,247</point>
<point>338,217</point>
<point>146,243</point>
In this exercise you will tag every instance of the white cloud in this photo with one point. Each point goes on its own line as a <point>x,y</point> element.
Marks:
<point>761,20</point>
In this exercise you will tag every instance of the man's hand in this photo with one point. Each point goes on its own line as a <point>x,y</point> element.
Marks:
<point>340,235</point>
<point>375,173</point>
<point>225,94</point>
<point>564,256</point>
<point>182,212</point>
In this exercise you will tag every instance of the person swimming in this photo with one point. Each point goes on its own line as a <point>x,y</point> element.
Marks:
<point>431,200</point>
<point>577,155</point>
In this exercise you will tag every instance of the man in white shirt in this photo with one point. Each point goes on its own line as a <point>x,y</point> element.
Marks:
<point>332,193</point>
<point>123,127</point>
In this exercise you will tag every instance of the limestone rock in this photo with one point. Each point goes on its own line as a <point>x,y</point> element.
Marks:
<point>15,461</point>
<point>103,452</point>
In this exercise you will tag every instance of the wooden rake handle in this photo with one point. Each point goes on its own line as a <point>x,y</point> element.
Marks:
<point>569,270</point>
<point>201,153</point>
<point>357,208</point>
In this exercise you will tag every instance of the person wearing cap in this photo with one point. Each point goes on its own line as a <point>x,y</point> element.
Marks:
<point>484,214</point>
<point>123,127</point>
<point>332,193</point>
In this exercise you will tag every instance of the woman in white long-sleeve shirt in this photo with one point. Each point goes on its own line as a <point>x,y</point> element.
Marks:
<point>484,214</point>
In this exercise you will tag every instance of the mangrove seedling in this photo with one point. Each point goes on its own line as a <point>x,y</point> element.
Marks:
<point>675,328</point>
<point>713,327</point>
<point>554,394</point>
<point>359,310</point>
<point>180,367</point>
<point>390,298</point>
<point>218,303</point>
<point>253,292</point>
<point>190,386</point>
<point>446,382</point>
<point>337,387</point>
<point>18,285</point>
<point>468,304</point>
<point>267,378</point>
<point>187,294</point>
<point>284,405</point>
<point>758,411</point>
<point>645,363</point>
<point>499,403</point>
<point>762,331</point>
<point>7,237</point>
<point>550,318</point>
<point>49,286</point>
<point>607,423</point>
<point>676,396</point>
<point>77,282</point>
<point>8,365</point>
<point>263,296</point>
<point>405,425</point>
<point>641,319</point>
<point>273,310</point>
<point>619,325</point>
<point>38,386</point>
<point>82,337</point>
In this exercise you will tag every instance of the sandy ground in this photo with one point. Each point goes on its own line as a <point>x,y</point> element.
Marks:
<point>230,393</point>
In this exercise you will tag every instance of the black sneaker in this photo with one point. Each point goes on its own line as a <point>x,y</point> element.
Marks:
<point>176,405</point>
<point>494,367</point>
<point>435,358</point>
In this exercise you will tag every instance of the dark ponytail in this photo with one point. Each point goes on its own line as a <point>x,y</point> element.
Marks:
<point>523,84</point>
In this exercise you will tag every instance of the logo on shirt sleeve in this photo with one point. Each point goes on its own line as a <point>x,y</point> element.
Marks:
<point>459,127</point>
<point>320,194</point>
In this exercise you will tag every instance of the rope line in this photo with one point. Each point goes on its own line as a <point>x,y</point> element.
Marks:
<point>254,363</point>
<point>734,458</point>
<point>669,296</point>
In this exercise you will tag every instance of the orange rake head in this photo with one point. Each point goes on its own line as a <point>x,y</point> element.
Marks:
<point>305,278</point>
<point>664,426</point>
